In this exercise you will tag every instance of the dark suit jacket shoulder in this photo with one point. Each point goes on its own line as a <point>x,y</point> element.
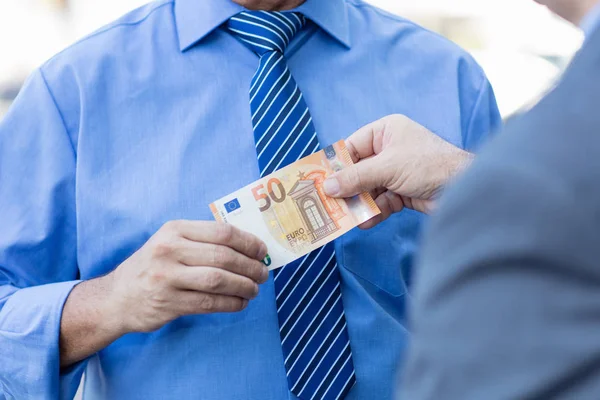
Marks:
<point>507,301</point>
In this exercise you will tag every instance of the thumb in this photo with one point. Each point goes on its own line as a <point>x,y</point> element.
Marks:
<point>354,179</point>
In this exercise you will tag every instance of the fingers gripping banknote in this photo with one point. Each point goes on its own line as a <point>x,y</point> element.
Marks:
<point>289,210</point>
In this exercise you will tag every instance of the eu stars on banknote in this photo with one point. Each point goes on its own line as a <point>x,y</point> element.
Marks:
<point>289,210</point>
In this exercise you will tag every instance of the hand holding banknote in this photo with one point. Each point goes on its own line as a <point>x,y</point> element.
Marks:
<point>289,210</point>
<point>186,267</point>
<point>189,267</point>
<point>401,163</point>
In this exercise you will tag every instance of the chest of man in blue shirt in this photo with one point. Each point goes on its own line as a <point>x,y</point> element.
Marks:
<point>147,121</point>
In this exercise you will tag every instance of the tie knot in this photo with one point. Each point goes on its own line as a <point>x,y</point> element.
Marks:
<point>266,31</point>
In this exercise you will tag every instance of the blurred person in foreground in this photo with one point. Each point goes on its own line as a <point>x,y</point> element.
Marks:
<point>507,300</point>
<point>110,261</point>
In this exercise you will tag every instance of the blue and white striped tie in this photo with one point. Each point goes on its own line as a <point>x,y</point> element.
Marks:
<point>312,325</point>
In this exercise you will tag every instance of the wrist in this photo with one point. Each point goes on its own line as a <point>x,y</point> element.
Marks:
<point>89,321</point>
<point>464,160</point>
<point>456,162</point>
<point>112,312</point>
<point>447,166</point>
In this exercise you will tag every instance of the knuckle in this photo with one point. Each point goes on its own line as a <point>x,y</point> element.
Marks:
<point>214,280</point>
<point>158,276</point>
<point>166,246</point>
<point>225,232</point>
<point>172,226</point>
<point>391,124</point>
<point>355,154</point>
<point>247,287</point>
<point>162,249</point>
<point>249,245</point>
<point>252,271</point>
<point>220,255</point>
<point>353,179</point>
<point>206,303</point>
<point>396,118</point>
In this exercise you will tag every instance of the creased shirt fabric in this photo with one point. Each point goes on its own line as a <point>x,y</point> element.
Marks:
<point>146,121</point>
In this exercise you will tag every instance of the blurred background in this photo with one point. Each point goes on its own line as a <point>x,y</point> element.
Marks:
<point>520,45</point>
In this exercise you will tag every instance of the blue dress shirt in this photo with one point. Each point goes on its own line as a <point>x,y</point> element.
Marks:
<point>148,120</point>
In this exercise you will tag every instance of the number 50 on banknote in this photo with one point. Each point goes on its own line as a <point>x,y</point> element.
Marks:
<point>289,210</point>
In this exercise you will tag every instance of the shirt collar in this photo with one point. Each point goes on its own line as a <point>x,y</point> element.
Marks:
<point>591,21</point>
<point>196,19</point>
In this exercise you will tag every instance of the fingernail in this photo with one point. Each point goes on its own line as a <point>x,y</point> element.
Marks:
<point>331,187</point>
<point>244,303</point>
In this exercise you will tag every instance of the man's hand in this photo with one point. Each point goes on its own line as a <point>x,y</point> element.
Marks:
<point>400,163</point>
<point>187,267</point>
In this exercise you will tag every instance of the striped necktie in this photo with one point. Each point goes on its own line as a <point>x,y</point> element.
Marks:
<point>312,325</point>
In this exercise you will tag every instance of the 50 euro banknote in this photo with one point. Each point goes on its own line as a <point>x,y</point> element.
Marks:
<point>289,210</point>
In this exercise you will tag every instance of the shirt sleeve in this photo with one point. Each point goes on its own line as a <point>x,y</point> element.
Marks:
<point>38,256</point>
<point>484,118</point>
